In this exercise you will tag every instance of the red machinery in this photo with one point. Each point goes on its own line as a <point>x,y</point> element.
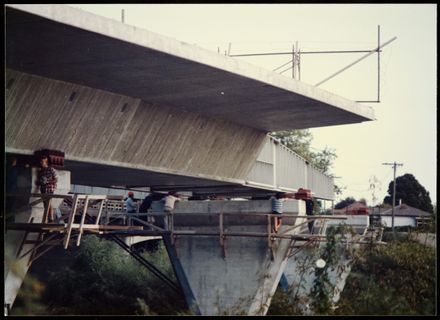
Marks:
<point>56,158</point>
<point>303,194</point>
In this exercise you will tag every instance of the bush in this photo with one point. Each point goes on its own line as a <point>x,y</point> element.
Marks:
<point>281,304</point>
<point>105,280</point>
<point>396,279</point>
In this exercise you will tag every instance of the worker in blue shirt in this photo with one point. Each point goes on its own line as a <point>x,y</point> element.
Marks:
<point>277,207</point>
<point>130,203</point>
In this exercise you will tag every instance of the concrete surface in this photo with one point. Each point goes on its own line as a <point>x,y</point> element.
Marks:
<point>92,125</point>
<point>359,223</point>
<point>14,277</point>
<point>300,268</point>
<point>240,278</point>
<point>65,43</point>
<point>300,275</point>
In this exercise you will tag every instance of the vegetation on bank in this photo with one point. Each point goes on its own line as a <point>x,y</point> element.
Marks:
<point>398,278</point>
<point>105,280</point>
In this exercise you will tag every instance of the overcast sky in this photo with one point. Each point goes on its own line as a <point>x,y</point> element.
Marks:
<point>406,128</point>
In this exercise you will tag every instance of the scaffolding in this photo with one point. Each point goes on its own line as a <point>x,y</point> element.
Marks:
<point>103,215</point>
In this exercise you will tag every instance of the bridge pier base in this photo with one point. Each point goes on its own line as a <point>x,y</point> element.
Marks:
<point>231,275</point>
<point>18,243</point>
<point>300,268</point>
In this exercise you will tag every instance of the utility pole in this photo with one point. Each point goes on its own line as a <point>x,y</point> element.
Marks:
<point>394,165</point>
<point>293,61</point>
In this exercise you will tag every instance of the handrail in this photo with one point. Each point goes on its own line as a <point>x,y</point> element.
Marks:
<point>298,156</point>
<point>78,198</point>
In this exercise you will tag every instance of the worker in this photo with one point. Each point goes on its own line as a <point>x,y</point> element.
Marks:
<point>309,211</point>
<point>130,203</point>
<point>277,208</point>
<point>169,200</point>
<point>47,181</point>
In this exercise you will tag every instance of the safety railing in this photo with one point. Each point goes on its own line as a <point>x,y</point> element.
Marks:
<point>150,223</point>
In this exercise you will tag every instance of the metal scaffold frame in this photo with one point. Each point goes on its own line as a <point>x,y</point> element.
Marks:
<point>97,206</point>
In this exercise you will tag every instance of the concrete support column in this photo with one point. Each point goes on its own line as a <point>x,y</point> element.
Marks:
<point>300,268</point>
<point>14,238</point>
<point>300,275</point>
<point>233,275</point>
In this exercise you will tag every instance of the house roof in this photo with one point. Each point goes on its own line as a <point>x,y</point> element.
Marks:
<point>351,207</point>
<point>405,210</point>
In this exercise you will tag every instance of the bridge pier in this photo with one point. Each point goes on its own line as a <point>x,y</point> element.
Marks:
<point>300,268</point>
<point>18,243</point>
<point>227,274</point>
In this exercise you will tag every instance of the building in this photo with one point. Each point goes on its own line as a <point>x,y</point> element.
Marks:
<point>404,215</point>
<point>354,208</point>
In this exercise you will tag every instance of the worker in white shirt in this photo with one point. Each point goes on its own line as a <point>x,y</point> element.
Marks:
<point>169,201</point>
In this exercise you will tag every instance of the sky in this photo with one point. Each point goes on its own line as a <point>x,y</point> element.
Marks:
<point>405,129</point>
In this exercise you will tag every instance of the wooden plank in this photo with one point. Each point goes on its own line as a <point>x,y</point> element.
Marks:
<point>105,227</point>
<point>70,222</point>
<point>83,217</point>
<point>99,213</point>
<point>32,227</point>
<point>91,197</point>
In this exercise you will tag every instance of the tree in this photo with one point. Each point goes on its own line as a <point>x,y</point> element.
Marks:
<point>346,202</point>
<point>396,279</point>
<point>299,141</point>
<point>411,192</point>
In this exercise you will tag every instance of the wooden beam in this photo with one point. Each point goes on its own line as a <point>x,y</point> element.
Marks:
<point>61,227</point>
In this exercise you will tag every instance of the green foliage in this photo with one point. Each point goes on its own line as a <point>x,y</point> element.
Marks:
<point>338,190</point>
<point>322,287</point>
<point>346,202</point>
<point>395,279</point>
<point>105,280</point>
<point>324,159</point>
<point>282,304</point>
<point>298,296</point>
<point>432,227</point>
<point>411,192</point>
<point>316,206</point>
<point>296,140</point>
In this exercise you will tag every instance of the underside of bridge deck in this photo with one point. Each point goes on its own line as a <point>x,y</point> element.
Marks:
<point>64,43</point>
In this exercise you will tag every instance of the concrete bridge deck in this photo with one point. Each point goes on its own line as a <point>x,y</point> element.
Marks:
<point>75,46</point>
<point>130,107</point>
